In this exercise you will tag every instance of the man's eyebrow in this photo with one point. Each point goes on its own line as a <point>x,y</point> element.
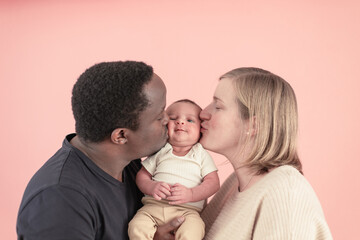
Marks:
<point>161,110</point>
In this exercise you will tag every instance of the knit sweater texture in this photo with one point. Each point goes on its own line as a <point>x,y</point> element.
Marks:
<point>281,205</point>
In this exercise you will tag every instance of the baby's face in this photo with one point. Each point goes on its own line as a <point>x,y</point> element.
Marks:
<point>184,124</point>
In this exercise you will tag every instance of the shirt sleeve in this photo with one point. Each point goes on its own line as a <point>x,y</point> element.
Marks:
<point>208,164</point>
<point>150,163</point>
<point>57,213</point>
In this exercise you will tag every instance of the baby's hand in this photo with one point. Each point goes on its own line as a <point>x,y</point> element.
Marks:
<point>180,194</point>
<point>160,190</point>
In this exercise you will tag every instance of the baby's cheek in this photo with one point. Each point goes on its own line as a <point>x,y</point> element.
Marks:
<point>170,125</point>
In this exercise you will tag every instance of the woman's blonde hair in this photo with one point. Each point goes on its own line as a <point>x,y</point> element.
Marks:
<point>268,102</point>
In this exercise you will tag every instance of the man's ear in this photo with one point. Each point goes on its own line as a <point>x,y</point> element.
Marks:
<point>118,136</point>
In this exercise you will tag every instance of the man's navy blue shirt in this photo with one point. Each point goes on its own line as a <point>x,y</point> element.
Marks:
<point>70,197</point>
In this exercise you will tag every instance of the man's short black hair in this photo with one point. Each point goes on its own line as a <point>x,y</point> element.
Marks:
<point>109,95</point>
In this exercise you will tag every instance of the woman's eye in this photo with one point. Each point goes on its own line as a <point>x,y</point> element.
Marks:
<point>216,106</point>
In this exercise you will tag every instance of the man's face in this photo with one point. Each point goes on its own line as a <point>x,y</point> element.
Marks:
<point>152,132</point>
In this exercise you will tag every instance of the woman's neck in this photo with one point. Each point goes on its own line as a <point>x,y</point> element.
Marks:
<point>247,178</point>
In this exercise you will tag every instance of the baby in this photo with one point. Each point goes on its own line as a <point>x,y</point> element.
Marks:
<point>176,180</point>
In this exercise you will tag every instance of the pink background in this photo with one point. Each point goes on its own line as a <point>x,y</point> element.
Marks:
<point>46,45</point>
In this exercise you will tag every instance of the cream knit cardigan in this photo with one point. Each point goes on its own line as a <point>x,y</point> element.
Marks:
<point>281,205</point>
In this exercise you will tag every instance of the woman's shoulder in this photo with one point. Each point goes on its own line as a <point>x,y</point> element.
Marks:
<point>285,175</point>
<point>287,183</point>
<point>227,188</point>
<point>286,169</point>
<point>231,180</point>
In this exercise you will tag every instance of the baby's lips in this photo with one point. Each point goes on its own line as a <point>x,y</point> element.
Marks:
<point>177,130</point>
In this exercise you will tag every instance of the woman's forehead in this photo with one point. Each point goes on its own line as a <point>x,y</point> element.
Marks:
<point>224,90</point>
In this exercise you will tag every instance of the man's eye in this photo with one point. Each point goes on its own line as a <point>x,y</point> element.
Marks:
<point>161,117</point>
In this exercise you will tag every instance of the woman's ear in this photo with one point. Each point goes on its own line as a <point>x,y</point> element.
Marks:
<point>252,131</point>
<point>118,136</point>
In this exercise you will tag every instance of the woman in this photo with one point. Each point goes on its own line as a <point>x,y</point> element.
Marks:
<point>252,121</point>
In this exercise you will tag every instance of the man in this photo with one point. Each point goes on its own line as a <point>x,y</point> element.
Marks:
<point>87,189</point>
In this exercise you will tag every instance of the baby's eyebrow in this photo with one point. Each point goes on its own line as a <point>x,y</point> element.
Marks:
<point>194,116</point>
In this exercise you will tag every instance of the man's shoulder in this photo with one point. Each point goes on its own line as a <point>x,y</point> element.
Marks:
<point>52,173</point>
<point>52,209</point>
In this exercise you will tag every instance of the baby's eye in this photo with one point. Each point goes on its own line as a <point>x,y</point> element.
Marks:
<point>190,120</point>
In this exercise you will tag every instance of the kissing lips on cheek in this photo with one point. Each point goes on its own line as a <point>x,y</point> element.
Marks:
<point>203,128</point>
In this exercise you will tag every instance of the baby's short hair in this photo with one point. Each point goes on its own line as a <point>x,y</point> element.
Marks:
<point>187,101</point>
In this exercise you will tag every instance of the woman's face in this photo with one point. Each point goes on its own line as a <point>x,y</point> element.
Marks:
<point>222,127</point>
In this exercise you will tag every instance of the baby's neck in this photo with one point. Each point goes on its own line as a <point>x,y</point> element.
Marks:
<point>182,150</point>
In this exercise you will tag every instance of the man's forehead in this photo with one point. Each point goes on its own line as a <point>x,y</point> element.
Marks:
<point>155,108</point>
<point>155,90</point>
